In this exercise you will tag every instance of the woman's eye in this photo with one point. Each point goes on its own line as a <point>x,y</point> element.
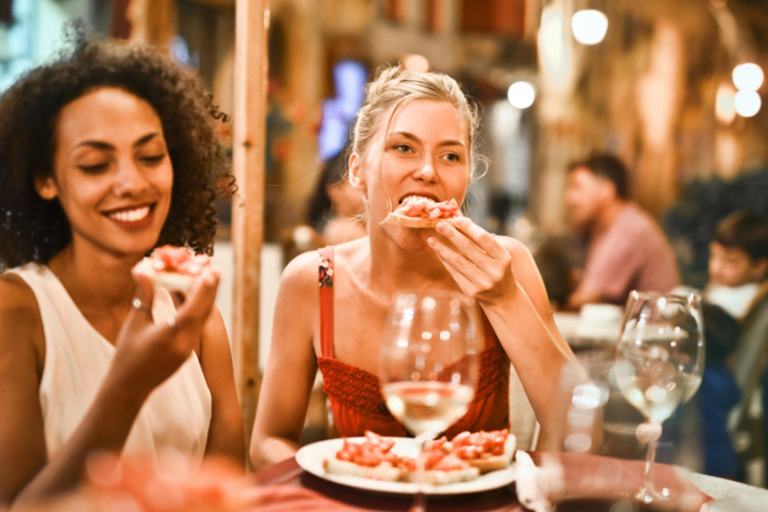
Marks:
<point>153,159</point>
<point>453,157</point>
<point>403,148</point>
<point>94,168</point>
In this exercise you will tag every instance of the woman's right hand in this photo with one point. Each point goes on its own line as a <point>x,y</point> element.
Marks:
<point>148,353</point>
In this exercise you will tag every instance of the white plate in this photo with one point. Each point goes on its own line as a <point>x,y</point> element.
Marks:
<point>312,457</point>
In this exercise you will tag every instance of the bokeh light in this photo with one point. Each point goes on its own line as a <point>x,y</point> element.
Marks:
<point>748,77</point>
<point>521,94</point>
<point>747,103</point>
<point>589,26</point>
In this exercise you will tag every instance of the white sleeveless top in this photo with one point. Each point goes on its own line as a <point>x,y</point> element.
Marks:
<point>176,415</point>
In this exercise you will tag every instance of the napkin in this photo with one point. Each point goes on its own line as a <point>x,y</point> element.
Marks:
<point>743,503</point>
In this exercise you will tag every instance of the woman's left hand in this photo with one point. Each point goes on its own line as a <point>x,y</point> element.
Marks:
<point>477,261</point>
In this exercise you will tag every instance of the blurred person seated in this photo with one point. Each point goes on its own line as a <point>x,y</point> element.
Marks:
<point>738,263</point>
<point>738,271</point>
<point>336,208</point>
<point>556,271</point>
<point>626,248</point>
<point>719,393</point>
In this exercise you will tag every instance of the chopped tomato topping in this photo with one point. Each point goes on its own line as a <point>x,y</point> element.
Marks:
<point>426,209</point>
<point>178,259</point>
<point>480,445</point>
<point>372,452</point>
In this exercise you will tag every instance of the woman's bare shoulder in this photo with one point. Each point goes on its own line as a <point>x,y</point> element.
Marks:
<point>301,273</point>
<point>19,313</point>
<point>518,250</point>
<point>16,297</point>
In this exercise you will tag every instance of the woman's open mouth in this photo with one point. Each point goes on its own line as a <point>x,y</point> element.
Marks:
<point>134,216</point>
<point>412,198</point>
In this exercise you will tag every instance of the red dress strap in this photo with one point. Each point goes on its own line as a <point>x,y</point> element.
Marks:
<point>325,281</point>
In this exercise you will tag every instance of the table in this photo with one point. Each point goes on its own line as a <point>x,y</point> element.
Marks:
<point>289,473</point>
<point>584,334</point>
<point>626,473</point>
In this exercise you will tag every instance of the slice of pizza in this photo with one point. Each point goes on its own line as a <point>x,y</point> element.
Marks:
<point>423,212</point>
<point>373,458</point>
<point>486,451</point>
<point>174,268</point>
<point>440,466</point>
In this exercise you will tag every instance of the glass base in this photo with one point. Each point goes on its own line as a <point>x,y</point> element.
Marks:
<point>648,496</point>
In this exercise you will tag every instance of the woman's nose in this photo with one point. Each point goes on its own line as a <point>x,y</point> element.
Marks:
<point>129,179</point>
<point>426,171</point>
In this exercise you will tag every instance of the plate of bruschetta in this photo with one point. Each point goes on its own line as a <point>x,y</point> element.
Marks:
<point>470,462</point>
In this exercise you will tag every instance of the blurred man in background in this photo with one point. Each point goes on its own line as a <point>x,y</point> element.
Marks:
<point>626,248</point>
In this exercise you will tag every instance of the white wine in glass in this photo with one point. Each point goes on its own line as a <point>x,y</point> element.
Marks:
<point>427,408</point>
<point>659,363</point>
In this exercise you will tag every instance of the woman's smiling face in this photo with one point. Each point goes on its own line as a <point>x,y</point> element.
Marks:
<point>112,173</point>
<point>424,152</point>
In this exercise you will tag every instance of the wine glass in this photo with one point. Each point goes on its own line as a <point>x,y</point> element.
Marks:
<point>428,363</point>
<point>659,363</point>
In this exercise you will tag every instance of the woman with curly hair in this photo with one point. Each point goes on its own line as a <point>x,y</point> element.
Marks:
<point>106,153</point>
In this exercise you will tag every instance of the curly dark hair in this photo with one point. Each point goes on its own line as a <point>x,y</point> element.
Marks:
<point>32,229</point>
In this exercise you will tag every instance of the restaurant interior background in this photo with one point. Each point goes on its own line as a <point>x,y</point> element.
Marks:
<point>652,81</point>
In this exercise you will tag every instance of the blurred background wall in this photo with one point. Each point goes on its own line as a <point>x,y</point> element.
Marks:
<point>655,86</point>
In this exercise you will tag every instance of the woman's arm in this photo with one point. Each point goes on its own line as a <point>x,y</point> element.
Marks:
<point>22,438</point>
<point>146,354</point>
<point>226,435</point>
<point>292,365</point>
<point>501,274</point>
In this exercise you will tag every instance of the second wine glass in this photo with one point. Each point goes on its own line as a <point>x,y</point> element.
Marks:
<point>659,363</point>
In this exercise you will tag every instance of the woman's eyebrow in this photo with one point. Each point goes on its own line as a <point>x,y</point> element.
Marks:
<point>100,144</point>
<point>145,139</point>
<point>411,136</point>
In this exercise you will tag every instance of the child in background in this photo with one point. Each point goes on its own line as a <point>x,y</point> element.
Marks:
<point>738,262</point>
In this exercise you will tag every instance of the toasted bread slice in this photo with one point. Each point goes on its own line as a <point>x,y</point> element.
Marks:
<point>496,462</point>
<point>173,281</point>
<point>415,222</point>
<point>384,471</point>
<point>441,477</point>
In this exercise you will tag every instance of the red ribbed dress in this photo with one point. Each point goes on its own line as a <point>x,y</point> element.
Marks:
<point>356,397</point>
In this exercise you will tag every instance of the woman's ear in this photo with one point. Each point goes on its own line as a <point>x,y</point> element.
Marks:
<point>46,187</point>
<point>355,173</point>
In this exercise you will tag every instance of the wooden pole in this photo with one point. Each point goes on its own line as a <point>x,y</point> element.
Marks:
<point>249,113</point>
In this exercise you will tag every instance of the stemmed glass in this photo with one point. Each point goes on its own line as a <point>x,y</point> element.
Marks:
<point>659,363</point>
<point>428,364</point>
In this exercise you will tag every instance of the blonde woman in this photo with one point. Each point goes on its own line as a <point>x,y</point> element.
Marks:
<point>414,135</point>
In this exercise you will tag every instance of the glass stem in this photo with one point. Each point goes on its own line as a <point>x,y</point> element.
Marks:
<point>647,493</point>
<point>420,501</point>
